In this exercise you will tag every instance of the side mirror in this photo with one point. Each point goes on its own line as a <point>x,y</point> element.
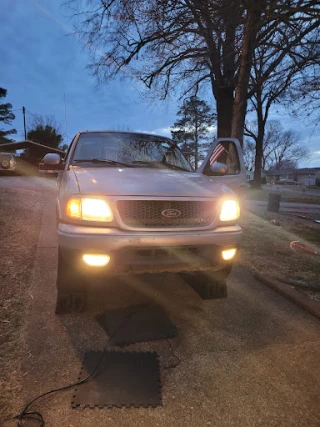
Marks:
<point>51,163</point>
<point>52,159</point>
<point>219,169</point>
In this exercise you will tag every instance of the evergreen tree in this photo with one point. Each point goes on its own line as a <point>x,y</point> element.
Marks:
<point>193,128</point>
<point>6,116</point>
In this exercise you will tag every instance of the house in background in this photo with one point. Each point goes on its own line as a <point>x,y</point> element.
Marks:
<point>250,175</point>
<point>303,176</point>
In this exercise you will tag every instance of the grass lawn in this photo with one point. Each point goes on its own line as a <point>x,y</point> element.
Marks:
<point>298,197</point>
<point>265,247</point>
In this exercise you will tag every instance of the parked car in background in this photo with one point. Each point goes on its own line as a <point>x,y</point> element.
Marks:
<point>7,163</point>
<point>287,181</point>
<point>131,203</point>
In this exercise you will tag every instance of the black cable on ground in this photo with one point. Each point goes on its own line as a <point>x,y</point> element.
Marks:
<point>36,415</point>
<point>173,365</point>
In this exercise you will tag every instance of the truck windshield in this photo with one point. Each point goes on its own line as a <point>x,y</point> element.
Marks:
<point>135,150</point>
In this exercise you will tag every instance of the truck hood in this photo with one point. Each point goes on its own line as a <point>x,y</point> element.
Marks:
<point>146,182</point>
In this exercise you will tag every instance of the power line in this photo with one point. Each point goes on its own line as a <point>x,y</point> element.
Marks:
<point>34,115</point>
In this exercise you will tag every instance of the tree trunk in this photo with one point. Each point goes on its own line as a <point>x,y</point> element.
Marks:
<point>261,124</point>
<point>196,154</point>
<point>241,97</point>
<point>259,151</point>
<point>224,97</point>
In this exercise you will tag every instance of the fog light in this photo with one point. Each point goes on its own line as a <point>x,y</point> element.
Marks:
<point>96,260</point>
<point>228,254</point>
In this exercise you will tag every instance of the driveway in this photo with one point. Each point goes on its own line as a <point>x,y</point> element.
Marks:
<point>35,183</point>
<point>249,360</point>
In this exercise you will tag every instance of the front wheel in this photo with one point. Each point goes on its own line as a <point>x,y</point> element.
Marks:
<point>209,284</point>
<point>71,290</point>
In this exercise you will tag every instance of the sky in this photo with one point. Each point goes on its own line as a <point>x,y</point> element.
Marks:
<point>44,68</point>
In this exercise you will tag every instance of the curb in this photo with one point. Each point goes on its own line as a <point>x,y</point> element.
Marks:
<point>299,285</point>
<point>293,295</point>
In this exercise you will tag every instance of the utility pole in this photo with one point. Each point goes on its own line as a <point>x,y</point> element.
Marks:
<point>24,123</point>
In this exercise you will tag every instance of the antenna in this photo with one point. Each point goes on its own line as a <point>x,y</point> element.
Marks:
<point>65,113</point>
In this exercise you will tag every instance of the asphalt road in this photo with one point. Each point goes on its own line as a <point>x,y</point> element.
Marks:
<point>256,205</point>
<point>292,189</point>
<point>249,360</point>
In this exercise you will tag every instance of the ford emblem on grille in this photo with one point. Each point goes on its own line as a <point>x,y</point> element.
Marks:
<point>171,213</point>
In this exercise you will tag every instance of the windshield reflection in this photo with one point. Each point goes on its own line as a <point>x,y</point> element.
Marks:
<point>134,149</point>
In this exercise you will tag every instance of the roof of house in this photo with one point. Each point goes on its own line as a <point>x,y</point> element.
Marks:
<point>303,171</point>
<point>39,148</point>
<point>291,171</point>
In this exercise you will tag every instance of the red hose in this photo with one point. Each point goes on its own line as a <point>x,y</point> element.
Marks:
<point>302,247</point>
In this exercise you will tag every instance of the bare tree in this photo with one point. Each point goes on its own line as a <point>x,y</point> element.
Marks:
<point>44,120</point>
<point>286,75</point>
<point>303,98</point>
<point>122,127</point>
<point>288,150</point>
<point>249,154</point>
<point>185,44</point>
<point>281,148</point>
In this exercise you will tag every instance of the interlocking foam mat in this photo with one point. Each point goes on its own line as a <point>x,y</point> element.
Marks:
<point>140,323</point>
<point>123,379</point>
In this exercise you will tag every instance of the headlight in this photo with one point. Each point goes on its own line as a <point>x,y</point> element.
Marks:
<point>230,210</point>
<point>89,210</point>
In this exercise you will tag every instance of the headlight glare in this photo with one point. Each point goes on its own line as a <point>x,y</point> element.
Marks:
<point>74,208</point>
<point>96,260</point>
<point>228,254</point>
<point>230,210</point>
<point>87,209</point>
<point>96,210</point>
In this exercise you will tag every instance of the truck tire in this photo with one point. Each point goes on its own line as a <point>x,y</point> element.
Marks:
<point>209,284</point>
<point>71,290</point>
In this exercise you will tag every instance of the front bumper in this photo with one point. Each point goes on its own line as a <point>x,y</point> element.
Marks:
<point>149,251</point>
<point>10,169</point>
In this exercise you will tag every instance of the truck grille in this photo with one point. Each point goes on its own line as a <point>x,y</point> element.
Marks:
<point>165,213</point>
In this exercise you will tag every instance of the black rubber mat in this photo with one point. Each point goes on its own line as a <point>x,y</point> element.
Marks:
<point>123,379</point>
<point>140,323</point>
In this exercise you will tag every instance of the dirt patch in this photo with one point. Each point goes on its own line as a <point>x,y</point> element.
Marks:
<point>20,220</point>
<point>266,249</point>
<point>305,228</point>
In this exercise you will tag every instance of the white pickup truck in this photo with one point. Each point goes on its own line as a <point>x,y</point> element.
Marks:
<point>131,203</point>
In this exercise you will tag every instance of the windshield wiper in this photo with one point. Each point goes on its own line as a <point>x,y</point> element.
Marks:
<point>170,165</point>
<point>145,162</point>
<point>106,161</point>
<point>159,164</point>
